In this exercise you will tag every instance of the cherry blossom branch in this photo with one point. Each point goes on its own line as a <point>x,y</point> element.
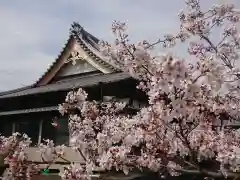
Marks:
<point>223,57</point>
<point>80,151</point>
<point>122,41</point>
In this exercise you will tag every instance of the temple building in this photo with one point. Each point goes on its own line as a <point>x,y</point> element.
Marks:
<point>32,109</point>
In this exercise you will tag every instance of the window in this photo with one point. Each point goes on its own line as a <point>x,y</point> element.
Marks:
<point>58,134</point>
<point>62,134</point>
<point>48,131</point>
<point>137,104</point>
<point>31,128</point>
<point>6,128</point>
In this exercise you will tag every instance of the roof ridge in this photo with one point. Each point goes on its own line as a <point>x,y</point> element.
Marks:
<point>77,29</point>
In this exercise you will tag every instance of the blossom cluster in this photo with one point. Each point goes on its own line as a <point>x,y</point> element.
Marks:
<point>13,150</point>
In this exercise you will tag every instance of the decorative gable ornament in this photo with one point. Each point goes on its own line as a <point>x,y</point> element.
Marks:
<point>74,57</point>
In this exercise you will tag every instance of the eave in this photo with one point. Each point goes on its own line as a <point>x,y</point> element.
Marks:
<point>83,82</point>
<point>26,111</point>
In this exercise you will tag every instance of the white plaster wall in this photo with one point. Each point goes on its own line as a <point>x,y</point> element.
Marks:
<point>81,66</point>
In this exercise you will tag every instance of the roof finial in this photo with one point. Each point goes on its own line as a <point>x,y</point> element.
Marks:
<point>76,29</point>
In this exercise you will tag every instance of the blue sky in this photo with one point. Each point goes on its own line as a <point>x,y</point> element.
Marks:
<point>33,32</point>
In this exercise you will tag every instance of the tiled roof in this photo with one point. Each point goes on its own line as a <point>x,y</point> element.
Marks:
<point>71,84</point>
<point>33,110</point>
<point>87,42</point>
<point>15,90</point>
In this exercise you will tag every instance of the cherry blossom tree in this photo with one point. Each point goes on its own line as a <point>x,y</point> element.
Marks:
<point>186,127</point>
<point>191,105</point>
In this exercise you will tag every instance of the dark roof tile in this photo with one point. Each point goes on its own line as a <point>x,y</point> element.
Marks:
<point>33,110</point>
<point>71,84</point>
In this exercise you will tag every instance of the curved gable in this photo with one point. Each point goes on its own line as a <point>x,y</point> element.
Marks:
<point>84,48</point>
